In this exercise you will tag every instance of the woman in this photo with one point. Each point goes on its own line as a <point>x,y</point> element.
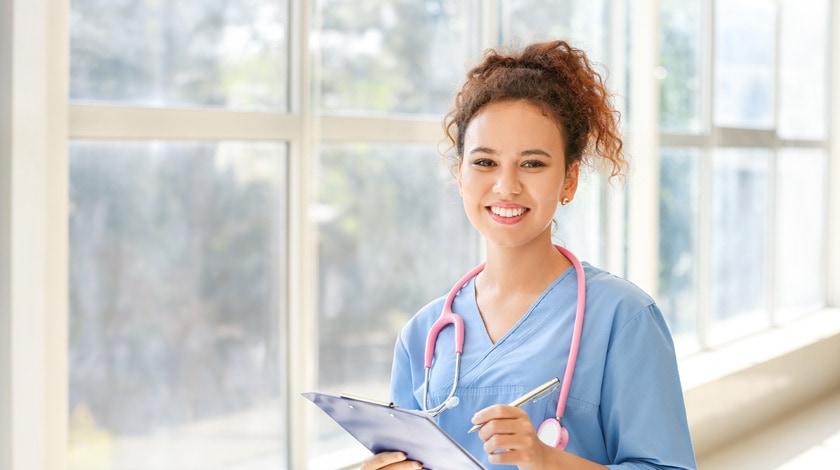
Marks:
<point>521,127</point>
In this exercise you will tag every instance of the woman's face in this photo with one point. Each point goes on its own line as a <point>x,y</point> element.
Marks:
<point>512,174</point>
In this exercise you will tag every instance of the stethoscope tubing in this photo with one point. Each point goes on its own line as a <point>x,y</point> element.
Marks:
<point>448,317</point>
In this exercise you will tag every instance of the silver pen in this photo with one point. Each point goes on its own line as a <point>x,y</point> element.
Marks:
<point>533,395</point>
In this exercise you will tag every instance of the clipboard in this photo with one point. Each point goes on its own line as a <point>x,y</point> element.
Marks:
<point>382,427</point>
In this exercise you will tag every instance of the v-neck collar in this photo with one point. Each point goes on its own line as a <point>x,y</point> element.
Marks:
<point>488,344</point>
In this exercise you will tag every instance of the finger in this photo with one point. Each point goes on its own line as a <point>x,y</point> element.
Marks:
<point>404,465</point>
<point>511,457</point>
<point>503,442</point>
<point>497,426</point>
<point>497,412</point>
<point>384,459</point>
<point>505,426</point>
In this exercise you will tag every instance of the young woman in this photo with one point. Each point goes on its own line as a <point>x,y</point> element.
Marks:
<point>521,127</point>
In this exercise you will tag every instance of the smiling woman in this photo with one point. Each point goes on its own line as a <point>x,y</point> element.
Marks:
<point>509,173</point>
<point>521,127</point>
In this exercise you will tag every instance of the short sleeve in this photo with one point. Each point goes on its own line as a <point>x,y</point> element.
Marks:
<point>401,384</point>
<point>642,406</point>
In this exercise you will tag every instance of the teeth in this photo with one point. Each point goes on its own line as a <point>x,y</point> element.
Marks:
<point>508,212</point>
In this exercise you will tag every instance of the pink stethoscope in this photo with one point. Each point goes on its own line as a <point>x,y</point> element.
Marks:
<point>551,431</point>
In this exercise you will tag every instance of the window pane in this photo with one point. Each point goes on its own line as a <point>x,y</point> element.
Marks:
<point>393,236</point>
<point>582,23</point>
<point>177,275</point>
<point>678,208</point>
<point>739,241</point>
<point>800,228</point>
<point>580,224</point>
<point>744,63</point>
<point>392,56</point>
<point>168,53</point>
<point>803,69</point>
<point>680,90</point>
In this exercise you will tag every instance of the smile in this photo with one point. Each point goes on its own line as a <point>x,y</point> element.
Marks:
<point>507,215</point>
<point>508,212</point>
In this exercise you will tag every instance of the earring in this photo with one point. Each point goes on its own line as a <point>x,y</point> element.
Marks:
<point>564,201</point>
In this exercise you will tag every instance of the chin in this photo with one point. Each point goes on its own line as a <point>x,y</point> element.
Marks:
<point>511,241</point>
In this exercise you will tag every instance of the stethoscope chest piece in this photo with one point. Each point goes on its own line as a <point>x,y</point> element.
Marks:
<point>553,434</point>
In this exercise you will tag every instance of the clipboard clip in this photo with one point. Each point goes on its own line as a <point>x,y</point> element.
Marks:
<point>367,400</point>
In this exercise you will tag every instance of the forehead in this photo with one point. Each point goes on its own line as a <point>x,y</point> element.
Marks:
<point>513,124</point>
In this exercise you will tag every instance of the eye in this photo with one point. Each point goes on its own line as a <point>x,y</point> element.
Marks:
<point>484,162</point>
<point>533,164</point>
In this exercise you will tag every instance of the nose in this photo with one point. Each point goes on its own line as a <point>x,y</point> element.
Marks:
<point>507,182</point>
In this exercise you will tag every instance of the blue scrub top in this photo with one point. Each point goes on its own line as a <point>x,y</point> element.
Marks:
<point>625,407</point>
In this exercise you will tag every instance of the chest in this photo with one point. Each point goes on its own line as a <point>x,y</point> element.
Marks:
<point>500,313</point>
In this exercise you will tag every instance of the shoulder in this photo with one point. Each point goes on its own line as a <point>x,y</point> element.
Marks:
<point>614,296</point>
<point>415,330</point>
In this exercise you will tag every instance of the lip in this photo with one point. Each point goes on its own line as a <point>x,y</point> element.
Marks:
<point>507,220</point>
<point>506,205</point>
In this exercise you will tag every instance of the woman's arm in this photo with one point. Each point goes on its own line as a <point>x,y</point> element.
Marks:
<point>564,460</point>
<point>642,408</point>
<point>401,383</point>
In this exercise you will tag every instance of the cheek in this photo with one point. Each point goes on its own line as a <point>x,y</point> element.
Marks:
<point>471,186</point>
<point>548,192</point>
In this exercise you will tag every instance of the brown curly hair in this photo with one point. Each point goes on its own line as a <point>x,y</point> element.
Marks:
<point>556,77</point>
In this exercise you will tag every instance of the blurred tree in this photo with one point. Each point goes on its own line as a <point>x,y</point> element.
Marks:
<point>174,266</point>
<point>396,56</point>
<point>397,238</point>
<point>679,91</point>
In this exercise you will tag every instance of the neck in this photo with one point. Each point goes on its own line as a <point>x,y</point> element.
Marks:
<point>526,268</point>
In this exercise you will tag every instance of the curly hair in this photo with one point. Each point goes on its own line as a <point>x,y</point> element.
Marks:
<point>556,77</point>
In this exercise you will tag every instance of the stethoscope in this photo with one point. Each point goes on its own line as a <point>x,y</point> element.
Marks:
<point>551,431</point>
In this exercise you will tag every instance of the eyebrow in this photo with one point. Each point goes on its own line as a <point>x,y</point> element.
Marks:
<point>523,153</point>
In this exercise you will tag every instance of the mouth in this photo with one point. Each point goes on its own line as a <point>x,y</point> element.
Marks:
<point>507,215</point>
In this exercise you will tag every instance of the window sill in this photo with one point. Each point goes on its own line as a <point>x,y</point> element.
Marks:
<point>736,388</point>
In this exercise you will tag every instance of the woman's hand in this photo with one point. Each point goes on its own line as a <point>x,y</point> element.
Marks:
<point>390,461</point>
<point>509,428</point>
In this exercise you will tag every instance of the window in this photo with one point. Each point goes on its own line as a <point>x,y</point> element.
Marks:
<point>678,244</point>
<point>681,66</point>
<point>740,240</point>
<point>734,172</point>
<point>392,56</point>
<point>745,60</point>
<point>803,60</point>
<point>800,207</point>
<point>214,53</point>
<point>393,235</point>
<point>178,248</point>
<point>177,275</point>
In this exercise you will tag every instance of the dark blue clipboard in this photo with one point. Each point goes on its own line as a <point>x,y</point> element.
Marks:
<point>383,427</point>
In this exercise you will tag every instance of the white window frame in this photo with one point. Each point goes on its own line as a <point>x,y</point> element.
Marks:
<point>717,137</point>
<point>33,234</point>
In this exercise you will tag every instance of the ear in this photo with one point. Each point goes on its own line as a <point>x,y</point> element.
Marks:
<point>571,183</point>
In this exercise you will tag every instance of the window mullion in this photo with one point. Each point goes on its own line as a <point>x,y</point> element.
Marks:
<point>643,209</point>
<point>613,195</point>
<point>704,237</point>
<point>833,220</point>
<point>301,323</point>
<point>772,189</point>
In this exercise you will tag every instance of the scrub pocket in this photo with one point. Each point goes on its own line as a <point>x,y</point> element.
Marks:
<point>582,420</point>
